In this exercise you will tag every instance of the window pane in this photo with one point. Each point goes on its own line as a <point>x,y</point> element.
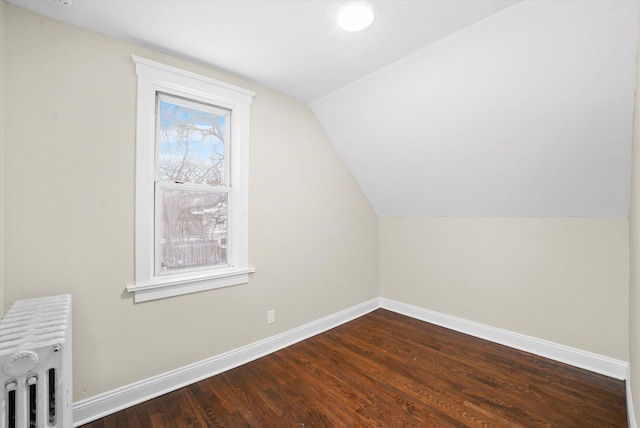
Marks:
<point>194,229</point>
<point>191,142</point>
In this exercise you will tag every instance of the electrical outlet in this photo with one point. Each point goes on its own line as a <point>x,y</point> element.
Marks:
<point>271,316</point>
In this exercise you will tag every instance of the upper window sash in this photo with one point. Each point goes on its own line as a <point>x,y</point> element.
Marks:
<point>166,105</point>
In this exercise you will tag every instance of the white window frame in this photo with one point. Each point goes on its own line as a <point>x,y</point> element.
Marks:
<point>154,77</point>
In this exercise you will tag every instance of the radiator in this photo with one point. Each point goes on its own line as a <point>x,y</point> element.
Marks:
<point>35,354</point>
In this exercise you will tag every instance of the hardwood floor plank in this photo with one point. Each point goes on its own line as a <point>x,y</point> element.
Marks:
<point>409,368</point>
<point>391,391</point>
<point>388,370</point>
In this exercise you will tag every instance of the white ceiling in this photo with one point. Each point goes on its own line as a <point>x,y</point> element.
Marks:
<point>441,108</point>
<point>527,113</point>
<point>292,46</point>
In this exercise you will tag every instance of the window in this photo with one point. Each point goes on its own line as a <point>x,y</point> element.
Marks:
<point>191,218</point>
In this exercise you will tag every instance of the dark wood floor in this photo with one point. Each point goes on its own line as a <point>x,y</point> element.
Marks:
<point>388,370</point>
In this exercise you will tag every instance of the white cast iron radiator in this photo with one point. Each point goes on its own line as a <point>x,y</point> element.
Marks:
<point>35,354</point>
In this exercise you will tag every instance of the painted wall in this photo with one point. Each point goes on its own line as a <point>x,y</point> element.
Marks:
<point>559,279</point>
<point>634,244</point>
<point>69,200</point>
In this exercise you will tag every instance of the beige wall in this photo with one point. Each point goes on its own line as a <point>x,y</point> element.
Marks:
<point>69,193</point>
<point>560,279</point>
<point>634,241</point>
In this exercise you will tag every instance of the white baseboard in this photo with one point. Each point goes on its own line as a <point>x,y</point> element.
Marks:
<point>631,415</point>
<point>586,360</point>
<point>93,408</point>
<point>578,358</point>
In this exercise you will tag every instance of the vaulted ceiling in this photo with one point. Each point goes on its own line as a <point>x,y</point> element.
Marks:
<point>440,108</point>
<point>526,113</point>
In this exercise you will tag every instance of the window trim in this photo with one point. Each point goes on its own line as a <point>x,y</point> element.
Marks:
<point>155,77</point>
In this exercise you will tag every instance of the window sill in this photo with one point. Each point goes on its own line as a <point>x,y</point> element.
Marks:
<point>168,287</point>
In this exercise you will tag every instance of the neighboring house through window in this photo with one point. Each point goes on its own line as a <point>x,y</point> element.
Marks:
<point>192,149</point>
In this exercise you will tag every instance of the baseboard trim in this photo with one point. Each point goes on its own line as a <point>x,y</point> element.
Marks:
<point>631,415</point>
<point>93,408</point>
<point>586,360</point>
<point>96,407</point>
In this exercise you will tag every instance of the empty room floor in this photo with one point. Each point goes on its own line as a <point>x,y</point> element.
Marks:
<point>389,370</point>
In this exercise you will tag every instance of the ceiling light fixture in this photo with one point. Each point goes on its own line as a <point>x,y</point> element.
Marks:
<point>355,15</point>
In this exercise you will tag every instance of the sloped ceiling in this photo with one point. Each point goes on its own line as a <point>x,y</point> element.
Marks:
<point>526,113</point>
<point>441,108</point>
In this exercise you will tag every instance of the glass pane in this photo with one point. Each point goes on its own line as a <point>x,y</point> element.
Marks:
<point>191,142</point>
<point>194,229</point>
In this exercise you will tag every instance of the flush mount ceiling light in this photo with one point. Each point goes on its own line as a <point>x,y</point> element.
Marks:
<point>355,15</point>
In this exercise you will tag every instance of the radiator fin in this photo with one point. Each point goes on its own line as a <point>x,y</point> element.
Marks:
<point>35,364</point>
